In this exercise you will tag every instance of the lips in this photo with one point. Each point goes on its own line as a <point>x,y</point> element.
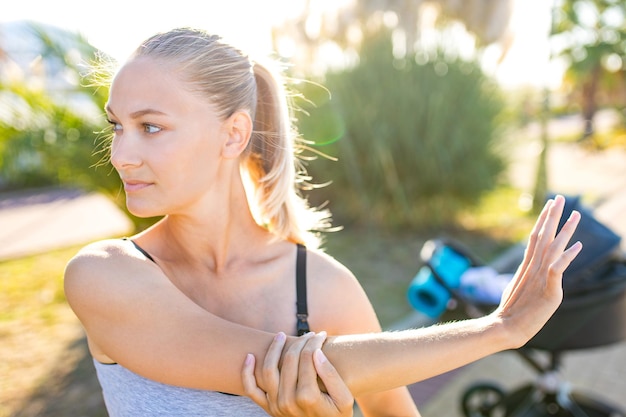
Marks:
<point>135,185</point>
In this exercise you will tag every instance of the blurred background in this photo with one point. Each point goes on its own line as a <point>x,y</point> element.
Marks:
<point>423,118</point>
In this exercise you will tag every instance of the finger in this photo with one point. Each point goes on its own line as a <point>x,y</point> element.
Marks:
<point>566,233</point>
<point>307,370</point>
<point>532,239</point>
<point>250,387</point>
<point>534,234</point>
<point>551,261</point>
<point>555,212</point>
<point>543,235</point>
<point>337,389</point>
<point>561,264</point>
<point>559,258</point>
<point>270,372</point>
<point>308,392</point>
<point>289,374</point>
<point>529,253</point>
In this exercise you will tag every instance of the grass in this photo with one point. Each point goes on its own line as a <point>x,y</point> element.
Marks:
<point>504,215</point>
<point>601,140</point>
<point>31,288</point>
<point>36,325</point>
<point>609,139</point>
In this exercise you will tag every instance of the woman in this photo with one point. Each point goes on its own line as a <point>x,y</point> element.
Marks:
<point>202,137</point>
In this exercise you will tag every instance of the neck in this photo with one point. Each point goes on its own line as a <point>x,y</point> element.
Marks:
<point>210,235</point>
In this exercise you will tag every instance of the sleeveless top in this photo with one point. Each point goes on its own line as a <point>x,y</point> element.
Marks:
<point>127,394</point>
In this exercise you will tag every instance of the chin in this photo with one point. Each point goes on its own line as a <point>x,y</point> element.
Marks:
<point>142,211</point>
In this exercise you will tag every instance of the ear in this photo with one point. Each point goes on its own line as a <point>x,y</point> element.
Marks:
<point>239,129</point>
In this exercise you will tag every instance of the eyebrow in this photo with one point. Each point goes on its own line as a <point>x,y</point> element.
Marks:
<point>138,113</point>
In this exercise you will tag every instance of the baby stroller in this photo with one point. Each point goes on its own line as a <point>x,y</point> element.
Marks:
<point>593,313</point>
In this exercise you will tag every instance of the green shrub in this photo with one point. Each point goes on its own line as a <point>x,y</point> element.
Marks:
<point>415,142</point>
<point>49,120</point>
<point>49,145</point>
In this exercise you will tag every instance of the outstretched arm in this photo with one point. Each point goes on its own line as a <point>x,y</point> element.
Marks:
<point>139,320</point>
<point>375,362</point>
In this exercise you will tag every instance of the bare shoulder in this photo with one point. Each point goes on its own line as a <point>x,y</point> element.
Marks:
<point>329,276</point>
<point>103,251</point>
<point>323,267</point>
<point>337,301</point>
<point>103,257</point>
<point>90,259</point>
<point>99,270</point>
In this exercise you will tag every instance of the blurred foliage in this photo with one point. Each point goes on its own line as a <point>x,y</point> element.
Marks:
<point>590,35</point>
<point>57,136</point>
<point>52,145</point>
<point>311,32</point>
<point>415,138</point>
<point>52,136</point>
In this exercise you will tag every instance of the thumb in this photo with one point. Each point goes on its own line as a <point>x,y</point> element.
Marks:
<point>337,390</point>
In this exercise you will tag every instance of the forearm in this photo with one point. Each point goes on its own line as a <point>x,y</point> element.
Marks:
<point>387,360</point>
<point>378,362</point>
<point>382,361</point>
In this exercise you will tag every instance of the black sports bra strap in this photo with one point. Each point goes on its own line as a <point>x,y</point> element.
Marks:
<point>302,312</point>
<point>140,249</point>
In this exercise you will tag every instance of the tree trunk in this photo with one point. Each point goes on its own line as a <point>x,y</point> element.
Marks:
<point>589,105</point>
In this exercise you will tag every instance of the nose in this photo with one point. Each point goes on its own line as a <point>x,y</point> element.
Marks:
<point>124,152</point>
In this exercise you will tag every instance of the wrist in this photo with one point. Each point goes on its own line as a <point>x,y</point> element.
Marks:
<point>500,334</point>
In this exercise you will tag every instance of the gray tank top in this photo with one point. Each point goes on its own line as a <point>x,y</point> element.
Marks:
<point>127,394</point>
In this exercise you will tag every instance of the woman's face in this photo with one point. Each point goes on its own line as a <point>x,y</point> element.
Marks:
<point>166,145</point>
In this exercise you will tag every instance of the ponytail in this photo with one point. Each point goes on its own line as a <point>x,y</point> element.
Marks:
<point>275,170</point>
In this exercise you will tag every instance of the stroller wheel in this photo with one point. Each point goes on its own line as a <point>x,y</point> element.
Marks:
<point>483,400</point>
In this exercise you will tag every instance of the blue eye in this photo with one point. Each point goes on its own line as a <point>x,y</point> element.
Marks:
<point>148,128</point>
<point>114,125</point>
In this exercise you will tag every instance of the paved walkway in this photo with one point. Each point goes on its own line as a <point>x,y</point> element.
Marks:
<point>42,220</point>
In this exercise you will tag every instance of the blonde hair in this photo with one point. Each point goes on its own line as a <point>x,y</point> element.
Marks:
<point>231,82</point>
